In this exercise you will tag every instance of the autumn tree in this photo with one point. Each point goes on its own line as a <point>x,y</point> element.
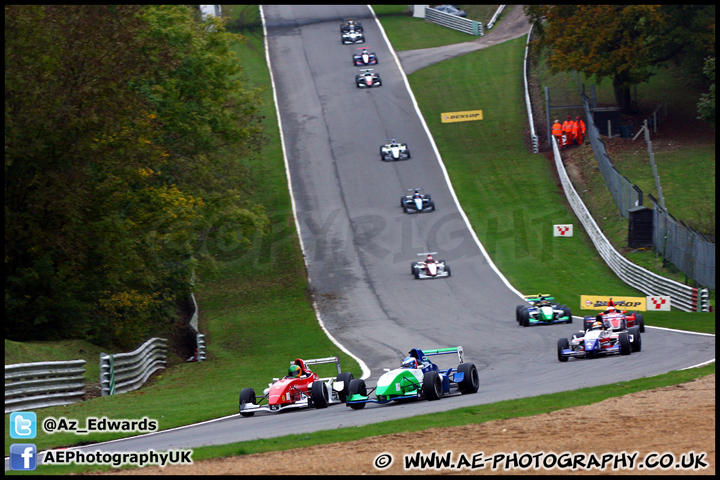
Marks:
<point>113,164</point>
<point>624,42</point>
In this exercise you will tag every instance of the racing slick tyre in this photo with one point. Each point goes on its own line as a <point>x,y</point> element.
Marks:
<point>357,387</point>
<point>413,268</point>
<point>319,394</point>
<point>640,322</point>
<point>625,347</point>
<point>567,312</point>
<point>562,344</point>
<point>471,380</point>
<point>402,202</point>
<point>416,272</point>
<point>518,312</point>
<point>524,318</point>
<point>447,269</point>
<point>636,342</point>
<point>346,378</point>
<point>247,396</point>
<point>432,204</point>
<point>432,385</point>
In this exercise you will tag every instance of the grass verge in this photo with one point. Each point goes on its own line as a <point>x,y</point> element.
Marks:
<point>462,416</point>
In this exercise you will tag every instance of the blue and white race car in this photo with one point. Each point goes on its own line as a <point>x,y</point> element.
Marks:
<point>417,201</point>
<point>417,378</point>
<point>599,339</point>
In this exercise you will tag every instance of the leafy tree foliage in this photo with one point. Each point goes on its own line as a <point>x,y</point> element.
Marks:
<point>624,42</point>
<point>115,119</point>
<point>706,106</point>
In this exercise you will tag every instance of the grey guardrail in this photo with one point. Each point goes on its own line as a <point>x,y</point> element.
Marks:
<point>29,386</point>
<point>200,355</point>
<point>683,297</point>
<point>528,103</point>
<point>494,18</point>
<point>124,372</point>
<point>453,21</point>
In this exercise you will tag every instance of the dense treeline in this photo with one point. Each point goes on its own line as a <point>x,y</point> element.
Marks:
<point>629,42</point>
<point>118,123</point>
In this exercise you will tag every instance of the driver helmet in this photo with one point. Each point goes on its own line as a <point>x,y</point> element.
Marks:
<point>610,309</point>
<point>409,362</point>
<point>429,258</point>
<point>294,371</point>
<point>416,194</point>
<point>596,325</point>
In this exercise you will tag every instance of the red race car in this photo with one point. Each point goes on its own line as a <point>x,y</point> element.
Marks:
<point>619,319</point>
<point>300,388</point>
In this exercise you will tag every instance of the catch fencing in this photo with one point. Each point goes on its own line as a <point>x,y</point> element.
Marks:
<point>29,386</point>
<point>689,251</point>
<point>453,21</point>
<point>683,297</point>
<point>626,195</point>
<point>124,372</point>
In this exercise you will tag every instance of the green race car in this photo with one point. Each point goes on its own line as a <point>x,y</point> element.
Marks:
<point>417,378</point>
<point>542,311</point>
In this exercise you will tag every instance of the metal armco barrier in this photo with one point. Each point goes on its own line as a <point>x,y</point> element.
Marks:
<point>683,297</point>
<point>29,386</point>
<point>124,372</point>
<point>200,346</point>
<point>494,18</point>
<point>528,103</point>
<point>453,21</point>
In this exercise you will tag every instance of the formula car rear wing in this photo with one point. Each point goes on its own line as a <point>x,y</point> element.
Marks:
<point>535,298</point>
<point>417,353</point>
<point>316,361</point>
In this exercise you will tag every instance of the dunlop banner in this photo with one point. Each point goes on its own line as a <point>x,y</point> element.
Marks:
<point>595,302</point>
<point>468,116</point>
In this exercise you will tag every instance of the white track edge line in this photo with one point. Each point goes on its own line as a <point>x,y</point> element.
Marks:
<point>366,371</point>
